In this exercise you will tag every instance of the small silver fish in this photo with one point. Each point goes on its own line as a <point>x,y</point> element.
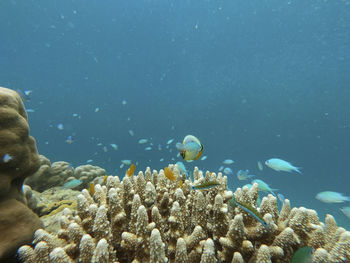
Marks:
<point>281,165</point>
<point>331,197</point>
<point>6,158</point>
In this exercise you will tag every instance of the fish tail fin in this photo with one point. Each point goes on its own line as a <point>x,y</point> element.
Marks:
<point>273,192</point>
<point>297,169</point>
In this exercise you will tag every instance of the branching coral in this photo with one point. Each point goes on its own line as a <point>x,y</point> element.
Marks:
<point>148,218</point>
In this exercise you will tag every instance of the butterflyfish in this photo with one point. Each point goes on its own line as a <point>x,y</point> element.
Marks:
<point>205,185</point>
<point>281,165</point>
<point>131,170</point>
<point>191,148</point>
<point>169,174</point>
<point>249,209</point>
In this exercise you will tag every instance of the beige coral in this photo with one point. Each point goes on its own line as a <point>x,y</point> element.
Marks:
<point>147,218</point>
<point>18,159</point>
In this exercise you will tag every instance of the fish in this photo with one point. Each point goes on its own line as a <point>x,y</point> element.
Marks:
<point>260,166</point>
<point>126,162</point>
<point>331,197</point>
<point>204,158</point>
<point>248,185</point>
<point>264,186</point>
<point>72,184</point>
<point>228,171</point>
<point>221,168</point>
<point>114,146</point>
<point>105,149</point>
<point>25,95</point>
<point>105,179</point>
<point>159,147</point>
<point>281,165</point>
<point>69,140</point>
<point>60,126</point>
<point>6,158</point>
<point>131,132</point>
<point>89,161</point>
<point>244,175</point>
<point>182,169</point>
<point>205,185</point>
<point>92,189</point>
<point>161,159</point>
<point>228,161</point>
<point>303,255</point>
<point>170,141</point>
<point>97,109</point>
<point>30,110</point>
<point>281,198</point>
<point>149,148</point>
<point>142,141</point>
<point>346,211</point>
<point>191,148</point>
<point>169,174</point>
<point>249,209</point>
<point>124,102</point>
<point>130,172</point>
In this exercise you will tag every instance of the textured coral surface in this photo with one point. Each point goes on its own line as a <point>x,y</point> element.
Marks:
<point>18,159</point>
<point>148,218</point>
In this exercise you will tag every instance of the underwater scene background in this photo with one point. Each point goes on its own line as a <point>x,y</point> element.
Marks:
<point>252,80</point>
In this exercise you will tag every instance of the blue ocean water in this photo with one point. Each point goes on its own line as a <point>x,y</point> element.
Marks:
<point>251,79</point>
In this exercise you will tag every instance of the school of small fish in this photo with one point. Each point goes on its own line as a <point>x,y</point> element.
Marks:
<point>190,149</point>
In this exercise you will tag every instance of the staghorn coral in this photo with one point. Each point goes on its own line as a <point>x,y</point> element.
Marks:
<point>148,218</point>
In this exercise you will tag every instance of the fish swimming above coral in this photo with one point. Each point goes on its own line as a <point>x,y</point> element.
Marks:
<point>264,186</point>
<point>191,148</point>
<point>130,172</point>
<point>331,197</point>
<point>281,165</point>
<point>205,185</point>
<point>182,169</point>
<point>244,175</point>
<point>346,211</point>
<point>169,174</point>
<point>249,209</point>
<point>72,184</point>
<point>228,171</point>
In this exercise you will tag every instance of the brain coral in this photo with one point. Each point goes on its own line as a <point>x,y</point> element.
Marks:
<point>148,218</point>
<point>18,159</point>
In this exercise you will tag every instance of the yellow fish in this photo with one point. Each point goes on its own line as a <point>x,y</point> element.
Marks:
<point>92,189</point>
<point>169,174</point>
<point>130,172</point>
<point>190,149</point>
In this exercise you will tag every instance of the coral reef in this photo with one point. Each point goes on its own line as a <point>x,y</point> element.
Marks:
<point>49,175</point>
<point>148,218</point>
<point>58,173</point>
<point>18,160</point>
